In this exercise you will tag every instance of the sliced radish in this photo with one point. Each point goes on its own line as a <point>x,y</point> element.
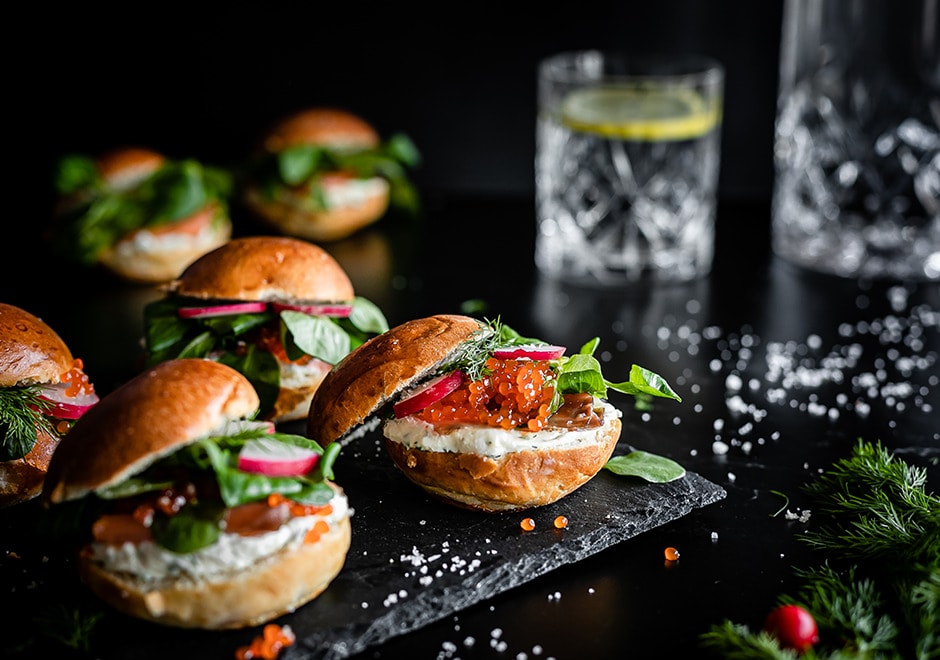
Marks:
<point>65,406</point>
<point>435,390</point>
<point>274,458</point>
<point>222,310</point>
<point>529,351</point>
<point>338,310</point>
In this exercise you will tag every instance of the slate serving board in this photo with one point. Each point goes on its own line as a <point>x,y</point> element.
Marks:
<point>414,560</point>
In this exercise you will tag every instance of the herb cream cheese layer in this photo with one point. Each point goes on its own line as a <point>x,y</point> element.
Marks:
<point>230,553</point>
<point>489,441</point>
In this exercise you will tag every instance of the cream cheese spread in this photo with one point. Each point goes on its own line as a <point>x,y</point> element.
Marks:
<point>488,441</point>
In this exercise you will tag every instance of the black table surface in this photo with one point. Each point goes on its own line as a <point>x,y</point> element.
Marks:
<point>781,372</point>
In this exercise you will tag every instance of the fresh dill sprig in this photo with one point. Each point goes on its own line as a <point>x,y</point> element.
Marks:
<point>877,594</point>
<point>878,509</point>
<point>471,359</point>
<point>21,416</point>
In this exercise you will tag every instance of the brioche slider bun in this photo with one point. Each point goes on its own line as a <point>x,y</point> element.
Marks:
<point>140,215</point>
<point>470,459</point>
<point>227,546</point>
<point>42,389</point>
<point>344,182</point>
<point>278,309</point>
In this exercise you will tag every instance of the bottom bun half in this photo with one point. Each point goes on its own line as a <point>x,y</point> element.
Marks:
<point>298,384</point>
<point>507,481</point>
<point>291,215</point>
<point>161,254</point>
<point>22,479</point>
<point>276,585</point>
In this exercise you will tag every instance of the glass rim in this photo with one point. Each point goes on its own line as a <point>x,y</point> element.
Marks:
<point>591,65</point>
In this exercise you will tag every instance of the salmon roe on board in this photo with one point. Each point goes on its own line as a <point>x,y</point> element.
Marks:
<point>268,645</point>
<point>511,394</point>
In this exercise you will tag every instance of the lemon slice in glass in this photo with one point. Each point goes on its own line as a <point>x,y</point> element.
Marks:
<point>639,113</point>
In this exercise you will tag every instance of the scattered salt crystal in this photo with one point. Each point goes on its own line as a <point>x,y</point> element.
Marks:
<point>720,448</point>
<point>714,536</point>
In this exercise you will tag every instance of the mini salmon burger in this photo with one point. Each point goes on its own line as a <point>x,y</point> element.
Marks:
<point>139,214</point>
<point>475,414</point>
<point>189,512</point>
<point>43,390</point>
<point>324,173</point>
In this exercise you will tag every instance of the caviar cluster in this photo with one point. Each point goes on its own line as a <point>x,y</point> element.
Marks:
<point>511,394</point>
<point>77,379</point>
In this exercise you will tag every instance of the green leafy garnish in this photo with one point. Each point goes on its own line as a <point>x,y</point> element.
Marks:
<point>215,460</point>
<point>231,339</point>
<point>652,468</point>
<point>21,415</point>
<point>576,374</point>
<point>876,592</point>
<point>100,215</point>
<point>304,164</point>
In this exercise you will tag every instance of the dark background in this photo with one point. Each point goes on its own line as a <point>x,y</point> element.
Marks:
<point>202,80</point>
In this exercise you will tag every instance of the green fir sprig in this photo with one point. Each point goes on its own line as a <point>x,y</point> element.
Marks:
<point>877,593</point>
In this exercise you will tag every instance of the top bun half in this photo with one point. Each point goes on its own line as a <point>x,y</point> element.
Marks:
<point>30,351</point>
<point>150,416</point>
<point>321,126</point>
<point>126,167</point>
<point>382,367</point>
<point>266,268</point>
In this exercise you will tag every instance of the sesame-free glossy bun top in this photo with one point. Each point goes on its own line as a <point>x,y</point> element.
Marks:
<point>30,351</point>
<point>150,416</point>
<point>127,166</point>
<point>321,126</point>
<point>266,268</point>
<point>385,365</point>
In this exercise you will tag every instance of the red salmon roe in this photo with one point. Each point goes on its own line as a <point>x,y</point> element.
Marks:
<point>527,524</point>
<point>512,394</point>
<point>296,508</point>
<point>268,645</point>
<point>561,522</point>
<point>77,379</point>
<point>319,528</point>
<point>671,554</point>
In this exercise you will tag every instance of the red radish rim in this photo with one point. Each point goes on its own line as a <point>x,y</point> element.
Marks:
<point>434,390</point>
<point>274,458</point>
<point>65,406</point>
<point>252,307</point>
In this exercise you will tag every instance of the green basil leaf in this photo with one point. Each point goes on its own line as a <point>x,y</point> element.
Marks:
<point>74,173</point>
<point>581,373</point>
<point>652,468</point>
<point>644,381</point>
<point>367,317</point>
<point>318,336</point>
<point>195,526</point>
<point>297,164</point>
<point>259,367</point>
<point>400,147</point>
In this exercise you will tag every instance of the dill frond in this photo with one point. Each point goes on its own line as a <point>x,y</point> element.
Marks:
<point>21,415</point>
<point>877,508</point>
